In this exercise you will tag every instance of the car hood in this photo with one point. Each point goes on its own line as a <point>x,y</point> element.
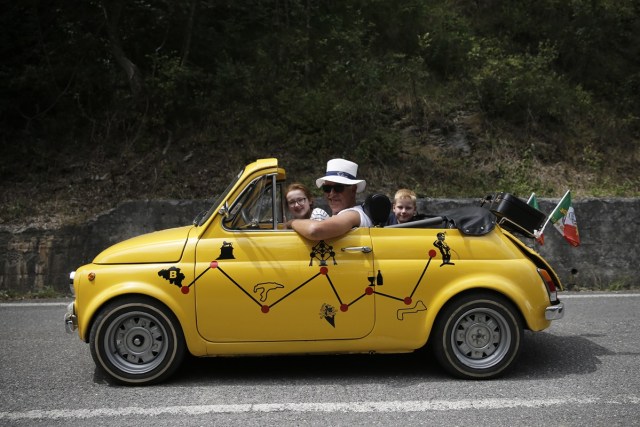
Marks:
<point>157,247</point>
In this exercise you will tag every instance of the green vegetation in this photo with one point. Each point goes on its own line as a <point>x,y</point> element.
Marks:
<point>45,293</point>
<point>106,100</point>
<point>595,283</point>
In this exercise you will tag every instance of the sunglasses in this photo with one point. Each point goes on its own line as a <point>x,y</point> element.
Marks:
<point>338,188</point>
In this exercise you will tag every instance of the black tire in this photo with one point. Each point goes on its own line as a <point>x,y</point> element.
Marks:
<point>478,336</point>
<point>137,341</point>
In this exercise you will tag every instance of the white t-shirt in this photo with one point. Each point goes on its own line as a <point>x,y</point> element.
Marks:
<point>319,214</point>
<point>365,221</point>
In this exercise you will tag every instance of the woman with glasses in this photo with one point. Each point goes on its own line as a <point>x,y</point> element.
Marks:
<point>340,186</point>
<point>300,203</point>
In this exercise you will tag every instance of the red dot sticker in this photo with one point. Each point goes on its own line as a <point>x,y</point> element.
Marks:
<point>344,307</point>
<point>214,264</point>
<point>432,253</point>
<point>368,290</point>
<point>324,270</point>
<point>265,309</point>
<point>184,290</point>
<point>407,300</point>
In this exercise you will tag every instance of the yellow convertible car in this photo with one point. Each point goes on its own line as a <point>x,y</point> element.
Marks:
<point>236,282</point>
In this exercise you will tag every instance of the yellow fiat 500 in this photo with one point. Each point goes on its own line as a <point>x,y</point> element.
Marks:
<point>236,282</point>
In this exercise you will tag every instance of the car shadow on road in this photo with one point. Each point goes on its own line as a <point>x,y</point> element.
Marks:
<point>309,369</point>
<point>543,355</point>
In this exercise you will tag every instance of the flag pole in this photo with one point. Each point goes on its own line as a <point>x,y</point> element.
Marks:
<point>531,197</point>
<point>552,213</point>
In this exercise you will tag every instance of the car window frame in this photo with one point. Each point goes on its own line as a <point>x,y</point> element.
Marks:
<point>261,202</point>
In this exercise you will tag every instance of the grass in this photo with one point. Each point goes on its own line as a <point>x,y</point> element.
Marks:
<point>45,293</point>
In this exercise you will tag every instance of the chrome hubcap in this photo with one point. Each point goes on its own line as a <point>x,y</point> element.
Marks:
<point>136,342</point>
<point>480,338</point>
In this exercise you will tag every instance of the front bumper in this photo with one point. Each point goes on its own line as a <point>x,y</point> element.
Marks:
<point>554,312</point>
<point>70,318</point>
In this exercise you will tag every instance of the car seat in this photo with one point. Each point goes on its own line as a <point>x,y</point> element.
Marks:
<point>377,207</point>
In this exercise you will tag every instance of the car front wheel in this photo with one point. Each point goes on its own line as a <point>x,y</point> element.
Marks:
<point>478,336</point>
<point>137,341</point>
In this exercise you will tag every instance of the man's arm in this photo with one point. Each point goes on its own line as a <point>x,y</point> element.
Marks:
<point>332,227</point>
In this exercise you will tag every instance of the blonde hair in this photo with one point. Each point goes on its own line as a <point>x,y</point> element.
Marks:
<point>405,193</point>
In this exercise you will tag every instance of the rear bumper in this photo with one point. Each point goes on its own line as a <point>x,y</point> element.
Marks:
<point>70,319</point>
<point>554,312</point>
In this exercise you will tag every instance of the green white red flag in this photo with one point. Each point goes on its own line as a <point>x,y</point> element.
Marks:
<point>533,202</point>
<point>563,218</point>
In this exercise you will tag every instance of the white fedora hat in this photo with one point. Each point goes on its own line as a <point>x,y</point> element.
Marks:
<point>342,171</point>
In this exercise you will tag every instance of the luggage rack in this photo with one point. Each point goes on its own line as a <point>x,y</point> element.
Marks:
<point>507,224</point>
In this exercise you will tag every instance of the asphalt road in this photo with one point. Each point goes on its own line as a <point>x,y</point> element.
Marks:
<point>582,371</point>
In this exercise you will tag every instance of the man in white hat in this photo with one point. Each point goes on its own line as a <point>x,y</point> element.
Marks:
<point>340,186</point>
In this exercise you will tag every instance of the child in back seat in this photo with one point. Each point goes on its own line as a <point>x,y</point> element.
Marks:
<point>404,208</point>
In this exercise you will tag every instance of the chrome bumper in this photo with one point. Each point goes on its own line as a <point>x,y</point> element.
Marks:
<point>554,312</point>
<point>70,319</point>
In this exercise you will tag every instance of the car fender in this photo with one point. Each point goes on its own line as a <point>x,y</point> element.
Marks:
<point>183,307</point>
<point>485,282</point>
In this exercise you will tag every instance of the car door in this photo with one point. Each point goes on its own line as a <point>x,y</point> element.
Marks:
<point>259,282</point>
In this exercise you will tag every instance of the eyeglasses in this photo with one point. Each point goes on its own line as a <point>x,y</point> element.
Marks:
<point>338,188</point>
<point>301,201</point>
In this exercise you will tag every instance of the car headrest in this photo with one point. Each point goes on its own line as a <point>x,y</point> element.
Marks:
<point>377,207</point>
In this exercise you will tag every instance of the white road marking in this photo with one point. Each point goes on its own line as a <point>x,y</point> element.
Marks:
<point>34,304</point>
<point>571,296</point>
<point>355,407</point>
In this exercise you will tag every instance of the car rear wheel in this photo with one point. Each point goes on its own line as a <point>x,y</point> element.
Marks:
<point>478,336</point>
<point>137,341</point>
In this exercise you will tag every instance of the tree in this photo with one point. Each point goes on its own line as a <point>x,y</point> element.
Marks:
<point>112,13</point>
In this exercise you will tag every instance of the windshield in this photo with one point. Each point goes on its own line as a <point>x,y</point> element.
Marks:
<point>259,207</point>
<point>199,221</point>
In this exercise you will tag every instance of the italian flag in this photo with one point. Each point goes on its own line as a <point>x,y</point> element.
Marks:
<point>563,218</point>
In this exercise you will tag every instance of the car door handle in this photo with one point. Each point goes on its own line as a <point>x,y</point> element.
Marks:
<point>365,249</point>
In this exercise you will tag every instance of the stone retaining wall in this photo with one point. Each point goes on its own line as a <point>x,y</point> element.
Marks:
<point>32,260</point>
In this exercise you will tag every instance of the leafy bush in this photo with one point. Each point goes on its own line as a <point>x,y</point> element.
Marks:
<point>525,88</point>
<point>381,82</point>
